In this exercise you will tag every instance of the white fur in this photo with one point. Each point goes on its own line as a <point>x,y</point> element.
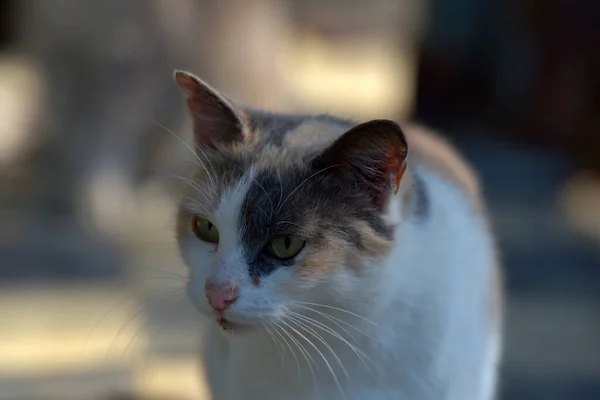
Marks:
<point>429,334</point>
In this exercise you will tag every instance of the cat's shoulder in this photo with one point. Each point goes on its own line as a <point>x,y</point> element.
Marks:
<point>431,151</point>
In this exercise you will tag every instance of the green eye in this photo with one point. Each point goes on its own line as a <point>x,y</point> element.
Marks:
<point>285,247</point>
<point>205,230</point>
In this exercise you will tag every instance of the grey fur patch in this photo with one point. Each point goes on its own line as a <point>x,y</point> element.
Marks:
<point>421,203</point>
<point>305,202</point>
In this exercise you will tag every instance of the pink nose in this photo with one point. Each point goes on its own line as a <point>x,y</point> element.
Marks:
<point>221,296</point>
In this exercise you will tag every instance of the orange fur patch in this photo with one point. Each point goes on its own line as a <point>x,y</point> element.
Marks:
<point>435,154</point>
<point>316,133</point>
<point>321,261</point>
<point>335,254</point>
<point>398,177</point>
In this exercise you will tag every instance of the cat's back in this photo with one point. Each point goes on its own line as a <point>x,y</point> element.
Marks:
<point>431,151</point>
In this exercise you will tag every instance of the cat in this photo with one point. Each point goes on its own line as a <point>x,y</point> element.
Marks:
<point>336,260</point>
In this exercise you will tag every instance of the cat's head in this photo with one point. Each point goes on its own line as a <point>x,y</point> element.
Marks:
<point>284,213</point>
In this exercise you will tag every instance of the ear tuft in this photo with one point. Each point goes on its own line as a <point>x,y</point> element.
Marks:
<point>215,119</point>
<point>372,156</point>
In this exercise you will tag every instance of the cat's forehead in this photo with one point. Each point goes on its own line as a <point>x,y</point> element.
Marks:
<point>277,144</point>
<point>277,155</point>
<point>294,131</point>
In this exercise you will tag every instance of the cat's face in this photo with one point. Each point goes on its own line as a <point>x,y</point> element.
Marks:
<point>284,212</point>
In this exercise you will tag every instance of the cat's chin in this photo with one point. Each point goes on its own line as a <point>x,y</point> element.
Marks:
<point>234,328</point>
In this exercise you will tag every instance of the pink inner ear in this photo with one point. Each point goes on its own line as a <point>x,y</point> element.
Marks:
<point>215,121</point>
<point>395,165</point>
<point>195,94</point>
<point>398,177</point>
<point>186,83</point>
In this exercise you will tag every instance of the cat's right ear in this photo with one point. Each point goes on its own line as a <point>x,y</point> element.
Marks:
<point>215,119</point>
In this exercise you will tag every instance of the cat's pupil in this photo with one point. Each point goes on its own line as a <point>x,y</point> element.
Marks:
<point>210,225</point>
<point>287,241</point>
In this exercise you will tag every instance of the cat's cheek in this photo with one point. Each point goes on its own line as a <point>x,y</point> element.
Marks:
<point>277,289</point>
<point>198,257</point>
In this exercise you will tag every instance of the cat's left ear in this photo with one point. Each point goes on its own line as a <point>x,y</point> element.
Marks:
<point>215,119</point>
<point>372,156</point>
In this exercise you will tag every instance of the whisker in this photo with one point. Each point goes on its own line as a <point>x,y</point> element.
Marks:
<point>280,186</point>
<point>140,310</point>
<point>302,183</point>
<point>274,163</point>
<point>307,356</point>
<point>290,223</point>
<point>207,160</point>
<point>262,211</point>
<point>332,320</point>
<point>143,327</point>
<point>308,329</point>
<point>275,341</point>
<point>192,150</point>
<point>359,353</point>
<point>202,191</point>
<point>335,378</point>
<point>336,320</point>
<point>176,274</point>
<point>191,200</point>
<point>342,310</point>
<point>192,183</point>
<point>290,347</point>
<point>267,193</point>
<point>103,317</point>
<point>158,331</point>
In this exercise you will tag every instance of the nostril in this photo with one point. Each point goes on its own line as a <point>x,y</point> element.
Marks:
<point>220,297</point>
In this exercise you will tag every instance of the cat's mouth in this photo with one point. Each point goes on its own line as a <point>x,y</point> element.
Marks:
<point>232,327</point>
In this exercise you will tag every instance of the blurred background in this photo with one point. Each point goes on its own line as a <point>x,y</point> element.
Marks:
<point>91,125</point>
